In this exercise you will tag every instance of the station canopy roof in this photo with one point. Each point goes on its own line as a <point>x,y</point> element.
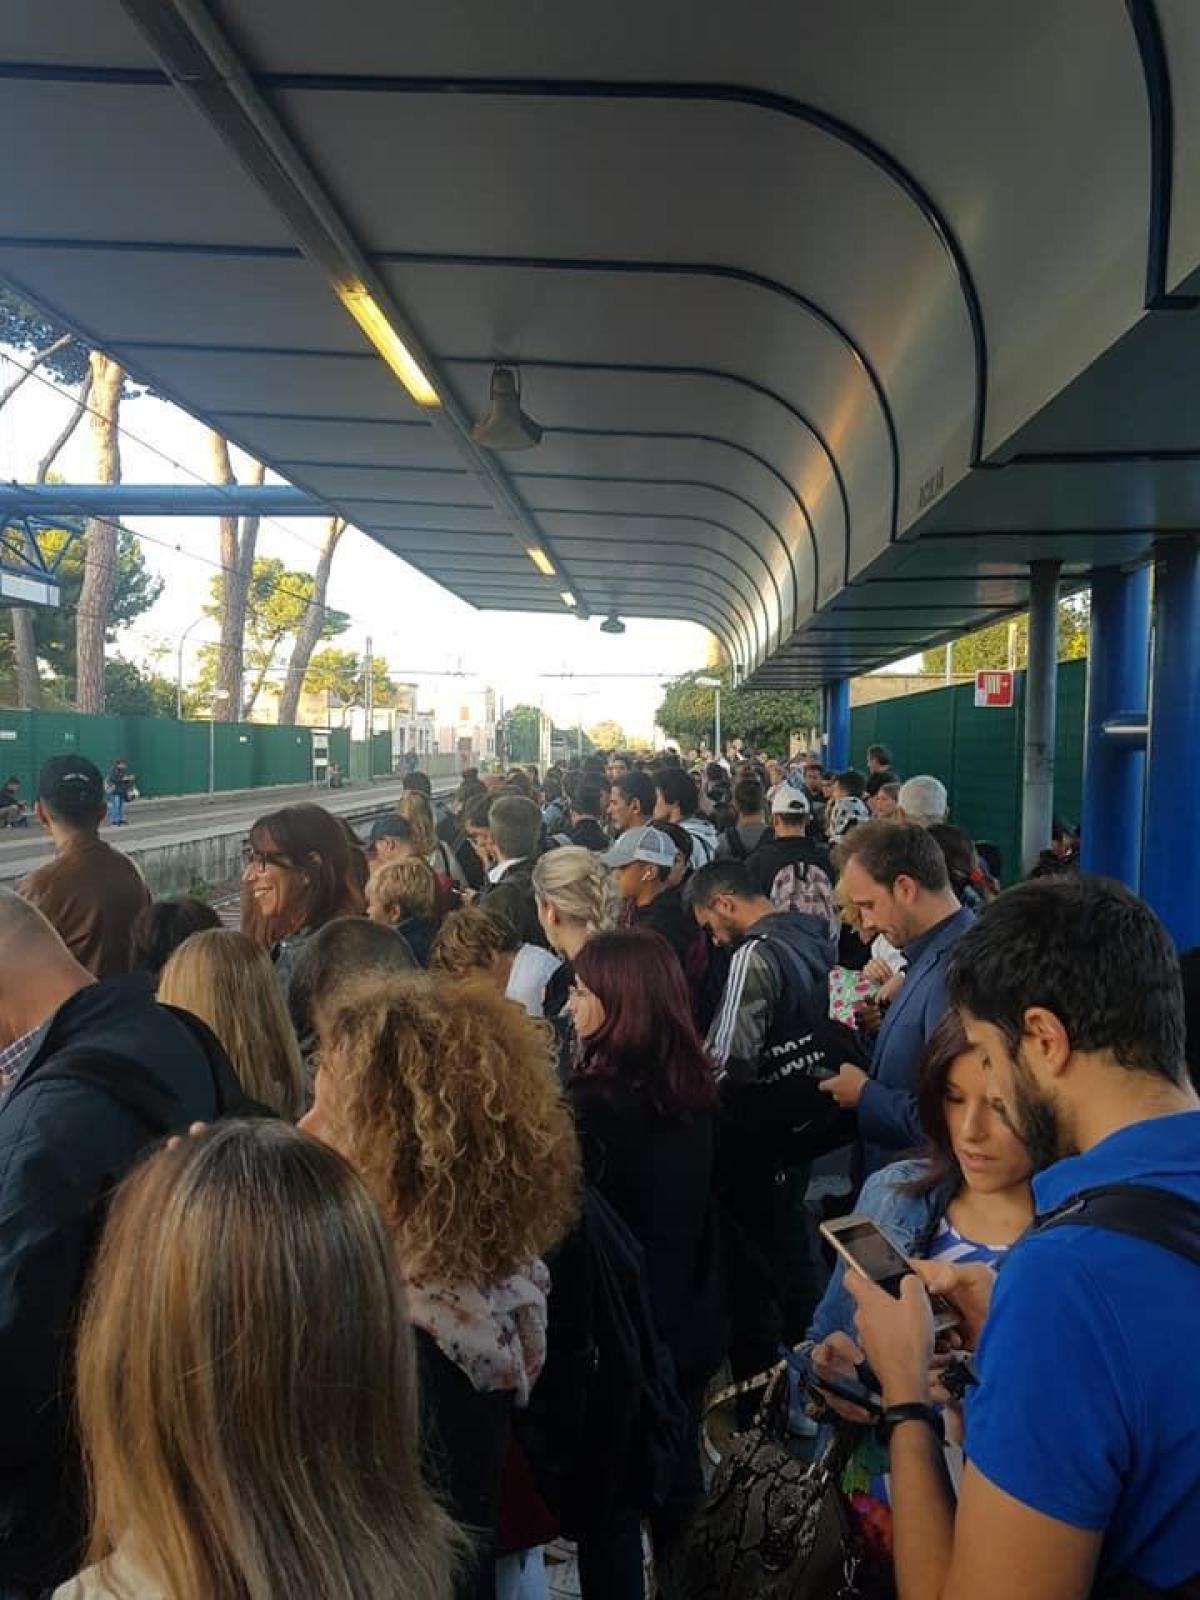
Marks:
<point>836,314</point>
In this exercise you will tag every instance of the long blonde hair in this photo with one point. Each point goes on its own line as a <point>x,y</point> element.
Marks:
<point>579,887</point>
<point>249,1415</point>
<point>446,1097</point>
<point>227,980</point>
<point>418,813</point>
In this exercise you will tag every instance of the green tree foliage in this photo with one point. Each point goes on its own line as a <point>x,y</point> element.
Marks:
<point>765,719</point>
<point>136,589</point>
<point>608,735</point>
<point>523,731</point>
<point>26,329</point>
<point>988,649</point>
<point>341,674</point>
<point>129,691</point>
<point>277,603</point>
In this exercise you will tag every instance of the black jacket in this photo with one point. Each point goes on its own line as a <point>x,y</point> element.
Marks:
<point>589,835</point>
<point>513,899</point>
<point>766,863</point>
<point>115,1072</point>
<point>666,914</point>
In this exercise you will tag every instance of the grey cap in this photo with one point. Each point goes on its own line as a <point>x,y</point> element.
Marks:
<point>641,844</point>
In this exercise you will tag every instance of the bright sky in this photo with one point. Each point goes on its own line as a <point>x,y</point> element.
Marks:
<point>419,627</point>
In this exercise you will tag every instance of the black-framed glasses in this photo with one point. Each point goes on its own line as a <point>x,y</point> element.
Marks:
<point>261,859</point>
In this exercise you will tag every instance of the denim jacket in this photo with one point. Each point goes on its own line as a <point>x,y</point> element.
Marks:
<point>909,1220</point>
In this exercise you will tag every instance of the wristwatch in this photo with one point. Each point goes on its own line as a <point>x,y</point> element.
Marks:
<point>912,1411</point>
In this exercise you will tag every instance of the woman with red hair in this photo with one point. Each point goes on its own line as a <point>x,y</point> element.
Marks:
<point>645,1099</point>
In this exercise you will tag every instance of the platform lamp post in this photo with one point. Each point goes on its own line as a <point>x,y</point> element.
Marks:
<point>217,694</point>
<point>714,684</point>
<point>203,617</point>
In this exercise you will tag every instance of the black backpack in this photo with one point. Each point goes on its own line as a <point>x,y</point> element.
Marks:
<point>605,1426</point>
<point>1156,1216</point>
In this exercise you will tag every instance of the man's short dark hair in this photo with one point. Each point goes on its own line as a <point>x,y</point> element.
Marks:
<point>637,786</point>
<point>718,877</point>
<point>588,801</point>
<point>890,850</point>
<point>594,765</point>
<point>345,948</point>
<point>880,753</point>
<point>748,797</point>
<point>882,780</point>
<point>678,788</point>
<point>1088,950</point>
<point>516,825</point>
<point>475,812</point>
<point>161,927</point>
<point>418,783</point>
<point>852,781</point>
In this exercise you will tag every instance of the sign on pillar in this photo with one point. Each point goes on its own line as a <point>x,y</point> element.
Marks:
<point>993,688</point>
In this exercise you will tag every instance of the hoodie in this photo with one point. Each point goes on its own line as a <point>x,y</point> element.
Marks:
<point>704,840</point>
<point>770,989</point>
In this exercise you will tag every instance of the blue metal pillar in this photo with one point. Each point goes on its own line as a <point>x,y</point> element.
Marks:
<point>1041,712</point>
<point>1171,858</point>
<point>836,698</point>
<point>1117,685</point>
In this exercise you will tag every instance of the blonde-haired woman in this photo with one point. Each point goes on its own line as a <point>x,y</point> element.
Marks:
<point>227,980</point>
<point>241,1443</point>
<point>403,895</point>
<point>445,1098</point>
<point>575,898</point>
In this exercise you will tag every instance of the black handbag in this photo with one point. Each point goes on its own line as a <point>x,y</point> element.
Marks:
<point>773,1527</point>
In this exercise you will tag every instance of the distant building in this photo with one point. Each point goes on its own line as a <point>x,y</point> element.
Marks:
<point>465,721</point>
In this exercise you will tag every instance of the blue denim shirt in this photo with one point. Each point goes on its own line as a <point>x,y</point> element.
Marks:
<point>909,1220</point>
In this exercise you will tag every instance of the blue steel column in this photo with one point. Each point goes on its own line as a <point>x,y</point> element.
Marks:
<point>1041,712</point>
<point>836,699</point>
<point>1117,683</point>
<point>1171,859</point>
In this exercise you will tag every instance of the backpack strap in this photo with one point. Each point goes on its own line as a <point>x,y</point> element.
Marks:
<point>1157,1216</point>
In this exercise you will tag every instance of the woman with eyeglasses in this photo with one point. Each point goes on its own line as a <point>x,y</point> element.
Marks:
<point>299,875</point>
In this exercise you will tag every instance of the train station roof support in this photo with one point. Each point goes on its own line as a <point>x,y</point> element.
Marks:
<point>836,316</point>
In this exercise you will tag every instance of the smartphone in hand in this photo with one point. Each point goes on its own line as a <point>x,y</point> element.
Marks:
<point>866,1249</point>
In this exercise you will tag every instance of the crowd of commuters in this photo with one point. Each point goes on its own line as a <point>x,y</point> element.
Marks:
<point>365,1250</point>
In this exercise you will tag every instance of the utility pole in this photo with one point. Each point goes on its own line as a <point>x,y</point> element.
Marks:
<point>369,699</point>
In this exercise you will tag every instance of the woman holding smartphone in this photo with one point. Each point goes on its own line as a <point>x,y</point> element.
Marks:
<point>967,1199</point>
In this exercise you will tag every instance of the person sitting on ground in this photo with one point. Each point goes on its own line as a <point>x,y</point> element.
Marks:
<point>848,808</point>
<point>645,1100</point>
<point>515,824</point>
<point>12,812</point>
<point>965,1198</point>
<point>883,802</point>
<point>298,877</point>
<point>1083,1443</point>
<point>475,942</point>
<point>678,800</point>
<point>444,1097</point>
<point>790,868</point>
<point>922,800</point>
<point>403,896</point>
<point>896,875</point>
<point>285,1459</point>
<point>227,981</point>
<point>90,892</point>
<point>91,1075</point>
<point>752,830</point>
<point>159,929</point>
<point>587,809</point>
<point>631,802</point>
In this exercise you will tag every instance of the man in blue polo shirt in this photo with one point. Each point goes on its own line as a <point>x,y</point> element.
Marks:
<point>1083,1437</point>
<point>895,874</point>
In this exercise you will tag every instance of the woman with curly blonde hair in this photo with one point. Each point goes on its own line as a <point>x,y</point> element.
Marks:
<point>478,943</point>
<point>444,1096</point>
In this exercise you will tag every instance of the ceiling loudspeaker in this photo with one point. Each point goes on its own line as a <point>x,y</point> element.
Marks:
<point>506,426</point>
<point>612,624</point>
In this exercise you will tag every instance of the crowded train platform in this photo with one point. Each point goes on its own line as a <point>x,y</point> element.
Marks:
<point>661,1174</point>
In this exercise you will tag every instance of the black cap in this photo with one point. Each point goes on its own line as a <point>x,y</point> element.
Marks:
<point>71,784</point>
<point>389,827</point>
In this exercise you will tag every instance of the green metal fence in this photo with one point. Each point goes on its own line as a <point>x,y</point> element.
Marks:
<point>977,753</point>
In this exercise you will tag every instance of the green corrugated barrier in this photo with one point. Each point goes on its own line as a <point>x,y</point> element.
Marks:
<point>977,752</point>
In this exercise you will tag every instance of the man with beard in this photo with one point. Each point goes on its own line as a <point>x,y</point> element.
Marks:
<point>1083,1436</point>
